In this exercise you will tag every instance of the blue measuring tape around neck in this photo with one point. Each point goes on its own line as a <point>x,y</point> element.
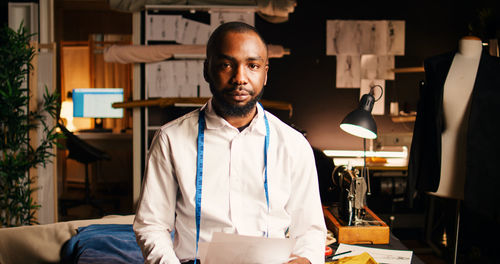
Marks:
<point>199,171</point>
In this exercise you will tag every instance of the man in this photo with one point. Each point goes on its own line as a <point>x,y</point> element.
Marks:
<point>230,166</point>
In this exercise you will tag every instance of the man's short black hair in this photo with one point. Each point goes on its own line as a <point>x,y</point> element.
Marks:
<point>220,31</point>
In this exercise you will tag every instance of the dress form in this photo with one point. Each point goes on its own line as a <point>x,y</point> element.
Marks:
<point>456,99</point>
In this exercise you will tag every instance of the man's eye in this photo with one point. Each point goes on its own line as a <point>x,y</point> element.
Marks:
<point>225,65</point>
<point>254,66</point>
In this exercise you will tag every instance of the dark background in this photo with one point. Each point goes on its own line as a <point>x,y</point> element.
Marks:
<point>306,78</point>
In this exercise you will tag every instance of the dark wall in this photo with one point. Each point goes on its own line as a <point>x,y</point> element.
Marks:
<point>76,20</point>
<point>306,78</point>
<point>4,13</point>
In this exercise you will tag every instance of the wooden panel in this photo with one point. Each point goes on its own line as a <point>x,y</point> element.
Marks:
<point>377,233</point>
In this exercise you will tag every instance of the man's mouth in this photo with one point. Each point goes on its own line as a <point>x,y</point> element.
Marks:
<point>239,95</point>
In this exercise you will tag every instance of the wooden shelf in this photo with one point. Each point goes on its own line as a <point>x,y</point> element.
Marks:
<point>401,119</point>
<point>173,101</point>
<point>408,70</point>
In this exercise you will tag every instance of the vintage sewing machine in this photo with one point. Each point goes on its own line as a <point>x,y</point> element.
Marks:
<point>349,218</point>
<point>352,194</point>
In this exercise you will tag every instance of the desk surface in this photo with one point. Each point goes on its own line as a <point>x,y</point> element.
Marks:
<point>394,243</point>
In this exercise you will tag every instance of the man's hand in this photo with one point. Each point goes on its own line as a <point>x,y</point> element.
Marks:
<point>298,260</point>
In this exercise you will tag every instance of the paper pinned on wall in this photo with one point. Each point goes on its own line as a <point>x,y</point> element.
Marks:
<point>179,79</point>
<point>191,81</point>
<point>180,29</point>
<point>343,37</point>
<point>194,32</point>
<point>348,71</point>
<point>379,94</point>
<point>219,17</point>
<point>233,248</point>
<point>176,78</point>
<point>375,42</point>
<point>158,79</point>
<point>377,67</point>
<point>162,27</point>
<point>373,36</point>
<point>380,37</point>
<point>396,37</point>
<point>204,87</point>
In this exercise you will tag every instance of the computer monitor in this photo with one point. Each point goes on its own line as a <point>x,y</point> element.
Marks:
<point>96,103</point>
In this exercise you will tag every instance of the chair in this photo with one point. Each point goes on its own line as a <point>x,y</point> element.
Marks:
<point>82,152</point>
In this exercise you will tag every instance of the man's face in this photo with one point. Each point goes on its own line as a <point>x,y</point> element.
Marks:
<point>237,72</point>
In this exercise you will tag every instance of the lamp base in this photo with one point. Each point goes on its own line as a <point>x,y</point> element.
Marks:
<point>372,231</point>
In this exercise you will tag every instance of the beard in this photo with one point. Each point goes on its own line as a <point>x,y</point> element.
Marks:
<point>224,108</point>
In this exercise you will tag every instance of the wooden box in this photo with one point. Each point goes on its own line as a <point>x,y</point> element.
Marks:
<point>374,231</point>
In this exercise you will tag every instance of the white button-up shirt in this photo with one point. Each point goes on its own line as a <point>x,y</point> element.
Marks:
<point>233,194</point>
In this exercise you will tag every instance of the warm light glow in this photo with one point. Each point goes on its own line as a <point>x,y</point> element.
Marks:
<point>394,158</point>
<point>67,113</point>
<point>359,153</point>
<point>358,131</point>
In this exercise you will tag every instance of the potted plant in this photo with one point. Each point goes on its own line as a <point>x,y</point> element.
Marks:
<point>17,154</point>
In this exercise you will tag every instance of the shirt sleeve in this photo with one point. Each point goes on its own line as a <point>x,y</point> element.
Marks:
<point>308,224</point>
<point>155,216</point>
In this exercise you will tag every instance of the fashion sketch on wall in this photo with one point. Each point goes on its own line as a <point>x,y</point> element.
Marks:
<point>377,67</point>
<point>182,77</point>
<point>218,17</point>
<point>365,51</point>
<point>176,78</point>
<point>348,71</point>
<point>175,28</point>
<point>380,37</point>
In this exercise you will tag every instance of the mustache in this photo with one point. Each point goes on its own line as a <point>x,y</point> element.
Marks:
<point>239,88</point>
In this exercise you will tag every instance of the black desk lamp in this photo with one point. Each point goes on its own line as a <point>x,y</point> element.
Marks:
<point>360,123</point>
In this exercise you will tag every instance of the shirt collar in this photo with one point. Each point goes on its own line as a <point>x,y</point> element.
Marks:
<point>214,121</point>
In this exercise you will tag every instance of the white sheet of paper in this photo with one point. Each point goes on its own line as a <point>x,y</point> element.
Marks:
<point>389,256</point>
<point>158,79</point>
<point>348,71</point>
<point>195,33</point>
<point>204,90</point>
<point>180,29</point>
<point>159,27</point>
<point>232,248</point>
<point>179,77</point>
<point>343,37</point>
<point>377,67</point>
<point>380,37</point>
<point>220,17</point>
<point>373,36</point>
<point>396,37</point>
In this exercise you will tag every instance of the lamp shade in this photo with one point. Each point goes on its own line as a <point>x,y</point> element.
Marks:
<point>360,122</point>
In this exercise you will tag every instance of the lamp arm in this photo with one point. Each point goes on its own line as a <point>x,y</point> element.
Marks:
<point>365,169</point>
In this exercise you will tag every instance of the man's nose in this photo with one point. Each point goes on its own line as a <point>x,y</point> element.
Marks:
<point>239,76</point>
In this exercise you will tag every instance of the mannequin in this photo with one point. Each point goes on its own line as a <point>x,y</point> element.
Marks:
<point>454,150</point>
<point>456,99</point>
<point>457,92</point>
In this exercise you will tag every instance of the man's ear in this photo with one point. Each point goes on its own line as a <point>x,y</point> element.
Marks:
<point>265,78</point>
<point>206,74</point>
